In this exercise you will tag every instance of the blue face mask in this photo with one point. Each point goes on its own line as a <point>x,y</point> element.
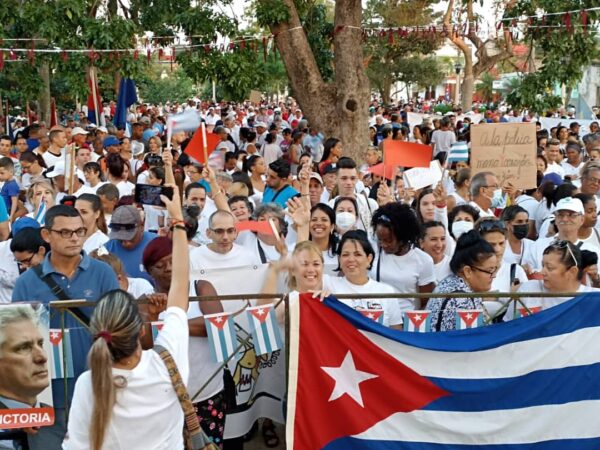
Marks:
<point>497,199</point>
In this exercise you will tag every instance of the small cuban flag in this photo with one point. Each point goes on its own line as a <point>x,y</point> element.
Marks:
<point>417,321</point>
<point>522,311</point>
<point>469,318</point>
<point>156,327</point>
<point>40,215</point>
<point>373,314</point>
<point>62,355</point>
<point>220,329</point>
<point>265,330</point>
<point>459,151</point>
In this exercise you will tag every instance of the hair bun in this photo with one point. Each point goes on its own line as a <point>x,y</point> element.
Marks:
<point>468,239</point>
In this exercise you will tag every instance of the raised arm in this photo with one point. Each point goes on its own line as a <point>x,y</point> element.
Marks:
<point>218,195</point>
<point>178,293</point>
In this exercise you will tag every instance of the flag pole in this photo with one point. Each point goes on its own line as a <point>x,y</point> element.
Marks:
<point>94,98</point>
<point>70,156</point>
<point>204,143</point>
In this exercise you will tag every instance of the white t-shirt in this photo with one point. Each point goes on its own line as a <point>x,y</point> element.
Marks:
<point>528,203</point>
<point>147,413</point>
<point>96,240</point>
<point>94,189</point>
<point>544,302</point>
<point>152,215</point>
<point>443,140</point>
<point>511,257</point>
<point>51,159</point>
<point>202,258</point>
<point>442,269</point>
<point>535,256</point>
<point>555,168</point>
<point>125,188</point>
<point>139,286</point>
<point>9,272</point>
<point>405,273</point>
<point>392,315</point>
<point>482,213</point>
<point>570,170</point>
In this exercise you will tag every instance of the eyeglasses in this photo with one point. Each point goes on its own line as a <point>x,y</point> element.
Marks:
<point>593,180</point>
<point>561,245</point>
<point>26,262</point>
<point>495,186</point>
<point>67,234</point>
<point>491,273</point>
<point>566,214</point>
<point>485,226</point>
<point>223,231</point>
<point>122,226</point>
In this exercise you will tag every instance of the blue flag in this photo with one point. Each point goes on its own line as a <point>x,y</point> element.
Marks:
<point>127,97</point>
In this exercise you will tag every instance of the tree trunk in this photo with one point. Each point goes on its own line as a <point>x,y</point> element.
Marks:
<point>44,100</point>
<point>338,109</point>
<point>386,90</point>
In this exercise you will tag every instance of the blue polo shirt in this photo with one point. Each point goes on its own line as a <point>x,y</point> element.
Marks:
<point>91,280</point>
<point>132,259</point>
<point>279,197</point>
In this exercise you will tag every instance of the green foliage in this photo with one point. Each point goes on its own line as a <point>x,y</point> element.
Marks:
<point>271,12</point>
<point>319,30</point>
<point>564,53</point>
<point>176,87</point>
<point>486,87</point>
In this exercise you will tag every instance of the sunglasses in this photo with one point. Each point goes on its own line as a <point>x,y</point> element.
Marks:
<point>486,226</point>
<point>561,245</point>
<point>122,226</point>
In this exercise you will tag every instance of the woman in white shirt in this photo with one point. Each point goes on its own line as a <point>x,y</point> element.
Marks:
<point>322,232</point>
<point>562,271</point>
<point>355,256</point>
<point>516,221</point>
<point>127,388</point>
<point>433,242</point>
<point>92,214</point>
<point>399,262</point>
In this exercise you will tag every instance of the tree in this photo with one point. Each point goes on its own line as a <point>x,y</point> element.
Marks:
<point>176,87</point>
<point>489,53</point>
<point>386,56</point>
<point>339,107</point>
<point>486,87</point>
<point>567,44</point>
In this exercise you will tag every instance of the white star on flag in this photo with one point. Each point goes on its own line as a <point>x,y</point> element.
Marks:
<point>418,317</point>
<point>469,316</point>
<point>219,319</point>
<point>371,316</point>
<point>347,379</point>
<point>54,335</point>
<point>260,311</point>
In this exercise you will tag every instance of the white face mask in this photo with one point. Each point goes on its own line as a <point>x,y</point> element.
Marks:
<point>461,227</point>
<point>345,220</point>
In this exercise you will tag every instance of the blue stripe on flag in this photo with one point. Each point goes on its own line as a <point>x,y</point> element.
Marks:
<point>544,387</point>
<point>223,342</point>
<point>363,444</point>
<point>575,314</point>
<point>275,329</point>
<point>57,362</point>
<point>232,335</point>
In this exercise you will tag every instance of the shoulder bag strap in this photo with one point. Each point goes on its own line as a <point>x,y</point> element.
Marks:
<point>438,324</point>
<point>377,272</point>
<point>513,272</point>
<point>192,425</point>
<point>261,251</point>
<point>59,293</point>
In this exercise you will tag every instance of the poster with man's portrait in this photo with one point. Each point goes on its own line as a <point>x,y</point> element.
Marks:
<point>26,362</point>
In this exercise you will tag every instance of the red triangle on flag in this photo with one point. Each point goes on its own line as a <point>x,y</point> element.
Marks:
<point>218,320</point>
<point>260,313</point>
<point>533,309</point>
<point>55,336</point>
<point>417,318</point>
<point>468,317</point>
<point>389,172</point>
<point>371,313</point>
<point>195,148</point>
<point>372,384</point>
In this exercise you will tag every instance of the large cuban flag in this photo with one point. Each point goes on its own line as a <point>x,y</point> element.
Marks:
<point>532,383</point>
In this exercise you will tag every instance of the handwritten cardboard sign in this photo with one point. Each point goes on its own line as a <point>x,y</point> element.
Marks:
<point>508,150</point>
<point>255,97</point>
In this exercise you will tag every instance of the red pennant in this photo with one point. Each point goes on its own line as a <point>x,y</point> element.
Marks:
<point>64,56</point>
<point>149,55</point>
<point>13,55</point>
<point>207,48</point>
<point>161,54</point>
<point>31,55</point>
<point>391,37</point>
<point>195,148</point>
<point>136,55</point>
<point>1,61</point>
<point>584,20</point>
<point>232,46</point>
<point>243,44</point>
<point>258,226</point>
<point>567,21</point>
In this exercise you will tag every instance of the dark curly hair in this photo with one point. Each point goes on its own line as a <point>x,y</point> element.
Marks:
<point>401,220</point>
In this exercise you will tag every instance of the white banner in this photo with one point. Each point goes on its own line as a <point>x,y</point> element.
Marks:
<point>259,380</point>
<point>549,123</point>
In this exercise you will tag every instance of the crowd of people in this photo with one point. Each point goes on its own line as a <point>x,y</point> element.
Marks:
<point>70,228</point>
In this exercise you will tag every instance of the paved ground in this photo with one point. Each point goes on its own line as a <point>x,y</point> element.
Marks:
<point>258,443</point>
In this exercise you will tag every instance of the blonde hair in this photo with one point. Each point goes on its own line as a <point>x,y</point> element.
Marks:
<point>308,246</point>
<point>112,260</point>
<point>37,181</point>
<point>115,326</point>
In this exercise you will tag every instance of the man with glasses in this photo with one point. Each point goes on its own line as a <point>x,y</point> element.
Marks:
<point>590,179</point>
<point>568,218</point>
<point>222,252</point>
<point>128,240</point>
<point>484,188</point>
<point>66,273</point>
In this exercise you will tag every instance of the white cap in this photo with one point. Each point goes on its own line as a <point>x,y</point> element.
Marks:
<point>260,124</point>
<point>570,204</point>
<point>137,148</point>
<point>78,130</point>
<point>103,129</point>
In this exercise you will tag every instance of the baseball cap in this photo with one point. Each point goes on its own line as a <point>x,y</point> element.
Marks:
<point>109,141</point>
<point>145,120</point>
<point>78,130</point>
<point>260,124</point>
<point>103,129</point>
<point>124,222</point>
<point>570,204</point>
<point>330,168</point>
<point>553,177</point>
<point>22,223</point>
<point>316,176</point>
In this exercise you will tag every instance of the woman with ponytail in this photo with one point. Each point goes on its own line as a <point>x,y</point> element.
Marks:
<point>126,400</point>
